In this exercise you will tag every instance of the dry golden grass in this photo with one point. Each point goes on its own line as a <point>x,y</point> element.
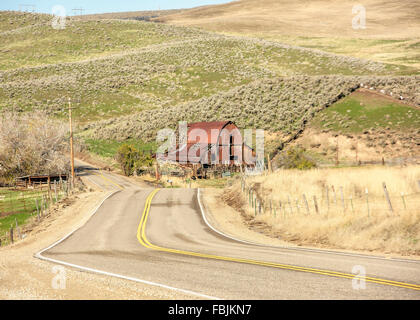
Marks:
<point>357,225</point>
<point>385,18</point>
<point>391,34</point>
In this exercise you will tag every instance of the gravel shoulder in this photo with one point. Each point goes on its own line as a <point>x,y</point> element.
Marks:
<point>22,276</point>
<point>231,222</point>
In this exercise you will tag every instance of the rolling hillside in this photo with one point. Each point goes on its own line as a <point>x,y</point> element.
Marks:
<point>129,78</point>
<point>391,34</point>
<point>385,18</point>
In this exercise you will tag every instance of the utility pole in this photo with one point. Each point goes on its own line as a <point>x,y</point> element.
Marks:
<point>71,144</point>
<point>27,8</point>
<point>80,10</point>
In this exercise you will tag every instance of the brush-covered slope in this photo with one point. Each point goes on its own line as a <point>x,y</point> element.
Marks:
<point>116,67</point>
<point>127,79</point>
<point>281,105</point>
<point>391,34</point>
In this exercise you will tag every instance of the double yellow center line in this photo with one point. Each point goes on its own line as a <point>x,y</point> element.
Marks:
<point>141,236</point>
<point>107,179</point>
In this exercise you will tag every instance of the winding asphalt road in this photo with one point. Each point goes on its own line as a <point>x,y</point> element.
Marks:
<point>160,236</point>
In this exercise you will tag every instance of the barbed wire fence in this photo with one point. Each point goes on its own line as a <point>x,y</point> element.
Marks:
<point>331,202</point>
<point>35,203</point>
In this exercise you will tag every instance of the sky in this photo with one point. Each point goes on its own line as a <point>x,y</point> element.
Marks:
<point>102,6</point>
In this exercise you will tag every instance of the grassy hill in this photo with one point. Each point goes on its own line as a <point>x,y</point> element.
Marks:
<point>129,78</point>
<point>391,34</point>
<point>366,126</point>
<point>114,67</point>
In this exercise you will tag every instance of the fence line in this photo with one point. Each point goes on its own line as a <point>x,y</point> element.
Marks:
<point>312,205</point>
<point>22,204</point>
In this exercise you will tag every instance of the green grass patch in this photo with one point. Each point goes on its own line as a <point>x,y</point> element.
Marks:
<point>362,111</point>
<point>108,148</point>
<point>41,44</point>
<point>18,205</point>
<point>10,221</point>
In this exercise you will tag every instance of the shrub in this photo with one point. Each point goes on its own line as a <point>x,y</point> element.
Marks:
<point>32,144</point>
<point>295,158</point>
<point>127,156</point>
<point>131,160</point>
<point>145,160</point>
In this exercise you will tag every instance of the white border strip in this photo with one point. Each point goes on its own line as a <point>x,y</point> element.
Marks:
<point>41,257</point>
<point>293,248</point>
<point>214,229</point>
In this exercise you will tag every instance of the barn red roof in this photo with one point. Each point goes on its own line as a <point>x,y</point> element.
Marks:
<point>187,152</point>
<point>208,127</point>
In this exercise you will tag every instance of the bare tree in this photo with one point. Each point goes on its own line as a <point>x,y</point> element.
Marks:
<point>31,144</point>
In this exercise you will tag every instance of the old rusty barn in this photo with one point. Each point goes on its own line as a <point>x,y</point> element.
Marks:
<point>211,144</point>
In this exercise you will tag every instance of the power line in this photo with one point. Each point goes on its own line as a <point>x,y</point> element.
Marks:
<point>27,8</point>
<point>80,10</point>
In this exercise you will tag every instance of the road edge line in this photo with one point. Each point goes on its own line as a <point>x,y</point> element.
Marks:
<point>39,256</point>
<point>39,253</point>
<point>218,231</point>
<point>301,249</point>
<point>331,273</point>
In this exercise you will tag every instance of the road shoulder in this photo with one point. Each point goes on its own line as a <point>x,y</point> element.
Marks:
<point>25,277</point>
<point>229,221</point>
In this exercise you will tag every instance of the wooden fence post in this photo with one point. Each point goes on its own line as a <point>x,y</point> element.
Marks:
<point>49,189</point>
<point>387,197</point>
<point>316,205</point>
<point>11,234</point>
<point>335,195</point>
<point>255,207</point>
<point>37,208</point>
<point>342,199</point>
<point>284,209</point>
<point>23,200</point>
<point>17,228</point>
<point>270,169</point>
<point>351,202</point>
<point>306,203</point>
<point>41,211</point>
<point>402,196</point>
